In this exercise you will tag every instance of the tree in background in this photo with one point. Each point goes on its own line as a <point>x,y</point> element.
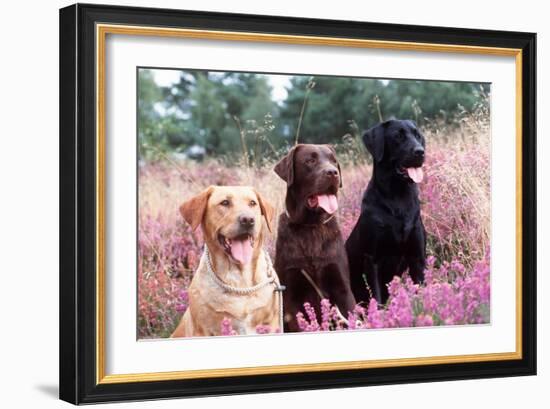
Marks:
<point>201,109</point>
<point>148,117</point>
<point>336,101</point>
<point>234,113</point>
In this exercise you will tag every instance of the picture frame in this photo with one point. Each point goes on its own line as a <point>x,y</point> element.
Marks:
<point>83,181</point>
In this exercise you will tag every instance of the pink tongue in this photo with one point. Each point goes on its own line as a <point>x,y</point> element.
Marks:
<point>328,203</point>
<point>416,174</point>
<point>241,250</point>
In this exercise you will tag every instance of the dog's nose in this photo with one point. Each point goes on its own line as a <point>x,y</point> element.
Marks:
<point>246,221</point>
<point>331,173</point>
<point>419,152</point>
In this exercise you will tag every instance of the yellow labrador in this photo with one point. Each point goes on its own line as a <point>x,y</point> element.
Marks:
<point>235,278</point>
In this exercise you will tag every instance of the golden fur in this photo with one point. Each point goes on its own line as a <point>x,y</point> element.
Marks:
<point>209,304</point>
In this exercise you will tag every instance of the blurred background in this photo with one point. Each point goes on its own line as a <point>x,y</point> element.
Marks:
<point>197,114</point>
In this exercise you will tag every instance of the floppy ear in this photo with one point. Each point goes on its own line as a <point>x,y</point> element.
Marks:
<point>412,123</point>
<point>193,210</point>
<point>337,164</point>
<point>374,141</point>
<point>340,173</point>
<point>285,167</point>
<point>267,210</point>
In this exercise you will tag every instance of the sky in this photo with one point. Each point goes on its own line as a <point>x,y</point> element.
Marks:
<point>165,78</point>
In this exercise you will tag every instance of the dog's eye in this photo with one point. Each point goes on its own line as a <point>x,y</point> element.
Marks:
<point>225,203</point>
<point>310,161</point>
<point>252,203</point>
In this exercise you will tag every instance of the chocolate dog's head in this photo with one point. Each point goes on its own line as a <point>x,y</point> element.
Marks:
<point>397,145</point>
<point>313,177</point>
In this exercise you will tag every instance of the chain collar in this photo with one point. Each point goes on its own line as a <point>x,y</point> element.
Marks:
<point>240,290</point>
<point>277,290</point>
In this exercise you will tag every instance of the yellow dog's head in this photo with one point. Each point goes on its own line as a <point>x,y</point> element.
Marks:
<point>231,218</point>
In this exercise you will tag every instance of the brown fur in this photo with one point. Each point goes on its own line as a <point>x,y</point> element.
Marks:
<point>304,240</point>
<point>209,304</point>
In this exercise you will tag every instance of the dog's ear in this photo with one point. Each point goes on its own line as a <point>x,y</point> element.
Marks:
<point>340,173</point>
<point>267,210</point>
<point>413,124</point>
<point>374,141</point>
<point>193,210</point>
<point>285,167</point>
<point>410,122</point>
<point>337,164</point>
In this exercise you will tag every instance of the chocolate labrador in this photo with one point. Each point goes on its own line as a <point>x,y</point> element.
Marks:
<point>389,236</point>
<point>310,255</point>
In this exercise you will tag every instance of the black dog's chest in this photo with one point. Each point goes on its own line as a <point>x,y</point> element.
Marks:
<point>396,223</point>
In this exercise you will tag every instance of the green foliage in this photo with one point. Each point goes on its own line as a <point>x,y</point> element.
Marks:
<point>201,110</point>
<point>335,101</point>
<point>234,113</point>
<point>149,131</point>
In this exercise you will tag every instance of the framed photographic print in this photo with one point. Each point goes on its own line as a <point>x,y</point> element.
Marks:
<point>257,203</point>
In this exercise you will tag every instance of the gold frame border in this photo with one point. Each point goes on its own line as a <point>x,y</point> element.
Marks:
<point>101,33</point>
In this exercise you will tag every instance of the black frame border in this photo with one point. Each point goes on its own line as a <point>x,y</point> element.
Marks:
<point>78,197</point>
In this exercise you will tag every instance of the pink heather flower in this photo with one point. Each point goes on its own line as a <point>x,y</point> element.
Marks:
<point>352,320</point>
<point>375,318</point>
<point>226,327</point>
<point>312,316</point>
<point>456,295</point>
<point>457,266</point>
<point>394,286</point>
<point>428,276</point>
<point>449,321</point>
<point>336,318</point>
<point>356,318</point>
<point>183,303</point>
<point>360,312</point>
<point>180,307</point>
<point>184,296</point>
<point>424,321</point>
<point>400,310</point>
<point>471,308</point>
<point>264,329</point>
<point>443,271</point>
<point>325,314</point>
<point>310,312</point>
<point>302,322</point>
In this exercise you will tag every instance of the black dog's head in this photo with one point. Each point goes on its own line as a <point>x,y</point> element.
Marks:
<point>312,174</point>
<point>397,144</point>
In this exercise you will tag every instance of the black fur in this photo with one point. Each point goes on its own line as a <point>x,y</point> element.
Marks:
<point>389,236</point>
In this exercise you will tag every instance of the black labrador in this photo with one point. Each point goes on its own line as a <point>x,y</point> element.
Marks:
<point>389,236</point>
